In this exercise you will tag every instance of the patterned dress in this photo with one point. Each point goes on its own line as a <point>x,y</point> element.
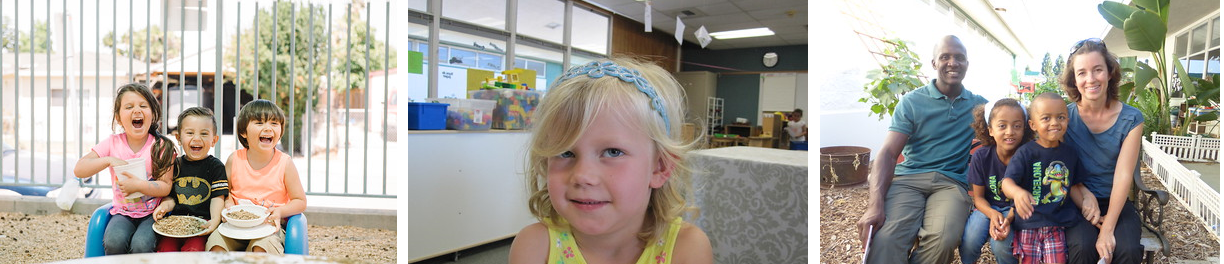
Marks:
<point>565,251</point>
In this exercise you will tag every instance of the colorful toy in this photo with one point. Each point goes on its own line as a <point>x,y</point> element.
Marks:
<point>514,107</point>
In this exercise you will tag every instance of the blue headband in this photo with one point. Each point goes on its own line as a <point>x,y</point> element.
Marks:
<point>596,70</point>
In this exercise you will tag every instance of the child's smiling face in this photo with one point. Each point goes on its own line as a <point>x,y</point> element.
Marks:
<point>603,183</point>
<point>262,134</point>
<point>1049,119</point>
<point>1007,127</point>
<point>135,114</point>
<point>197,135</point>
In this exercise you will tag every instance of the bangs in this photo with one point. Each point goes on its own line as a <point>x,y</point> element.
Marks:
<point>562,122</point>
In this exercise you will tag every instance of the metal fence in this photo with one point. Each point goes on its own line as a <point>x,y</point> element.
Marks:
<point>336,156</point>
<point>1185,185</point>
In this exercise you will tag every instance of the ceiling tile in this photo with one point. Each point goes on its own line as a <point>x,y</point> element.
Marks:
<point>720,9</point>
<point>716,20</point>
<point>778,13</point>
<point>752,5</point>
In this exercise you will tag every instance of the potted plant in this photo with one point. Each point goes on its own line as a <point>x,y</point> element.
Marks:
<point>900,75</point>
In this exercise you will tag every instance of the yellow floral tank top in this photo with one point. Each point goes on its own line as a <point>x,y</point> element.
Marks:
<point>565,251</point>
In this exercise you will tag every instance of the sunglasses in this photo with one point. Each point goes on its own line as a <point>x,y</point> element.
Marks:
<point>1081,43</point>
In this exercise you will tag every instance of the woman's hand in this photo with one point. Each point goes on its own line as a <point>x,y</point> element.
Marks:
<point>1105,245</point>
<point>1092,212</point>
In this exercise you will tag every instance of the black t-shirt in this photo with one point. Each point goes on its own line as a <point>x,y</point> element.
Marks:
<point>196,183</point>
<point>1048,174</point>
<point>985,169</point>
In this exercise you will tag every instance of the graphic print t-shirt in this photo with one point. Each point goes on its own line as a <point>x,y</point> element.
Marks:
<point>1047,174</point>
<point>985,169</point>
<point>196,183</point>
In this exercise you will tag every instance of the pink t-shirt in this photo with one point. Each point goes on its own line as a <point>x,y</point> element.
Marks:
<point>117,146</point>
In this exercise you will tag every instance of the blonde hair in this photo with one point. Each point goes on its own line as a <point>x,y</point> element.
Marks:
<point>568,110</point>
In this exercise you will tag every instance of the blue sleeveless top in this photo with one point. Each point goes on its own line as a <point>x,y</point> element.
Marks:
<point>1098,152</point>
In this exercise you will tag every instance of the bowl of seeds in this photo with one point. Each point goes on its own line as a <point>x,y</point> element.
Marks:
<point>180,226</point>
<point>245,215</point>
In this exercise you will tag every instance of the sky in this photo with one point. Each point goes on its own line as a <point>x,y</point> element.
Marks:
<point>1058,24</point>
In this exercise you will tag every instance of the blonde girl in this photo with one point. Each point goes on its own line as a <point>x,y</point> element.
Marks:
<point>606,173</point>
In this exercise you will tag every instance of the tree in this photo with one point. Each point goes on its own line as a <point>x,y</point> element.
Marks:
<point>18,41</point>
<point>293,51</point>
<point>135,47</point>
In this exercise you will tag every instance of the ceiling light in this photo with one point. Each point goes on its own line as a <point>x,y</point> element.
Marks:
<point>743,33</point>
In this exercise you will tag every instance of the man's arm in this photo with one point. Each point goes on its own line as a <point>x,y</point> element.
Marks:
<point>879,181</point>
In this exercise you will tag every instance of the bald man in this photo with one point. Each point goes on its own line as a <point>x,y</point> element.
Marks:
<point>924,197</point>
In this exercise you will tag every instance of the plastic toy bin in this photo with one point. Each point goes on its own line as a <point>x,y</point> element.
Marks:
<point>514,107</point>
<point>426,116</point>
<point>468,114</point>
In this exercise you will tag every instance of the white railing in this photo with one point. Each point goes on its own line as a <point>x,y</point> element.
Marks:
<point>1192,148</point>
<point>1185,185</point>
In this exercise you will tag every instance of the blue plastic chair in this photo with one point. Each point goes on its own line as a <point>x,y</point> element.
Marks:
<point>295,233</point>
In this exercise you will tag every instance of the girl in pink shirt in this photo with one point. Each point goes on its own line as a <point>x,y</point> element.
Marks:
<point>130,229</point>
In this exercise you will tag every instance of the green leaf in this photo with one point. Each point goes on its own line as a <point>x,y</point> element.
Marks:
<point>1208,117</point>
<point>1143,75</point>
<point>1159,7</point>
<point>1144,32</point>
<point>1115,13</point>
<point>1124,92</point>
<point>877,109</point>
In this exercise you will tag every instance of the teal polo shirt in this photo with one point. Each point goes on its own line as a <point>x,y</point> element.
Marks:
<point>939,131</point>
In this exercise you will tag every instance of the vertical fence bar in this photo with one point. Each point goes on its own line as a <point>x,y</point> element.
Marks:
<point>256,47</point>
<point>17,87</point>
<point>328,102</point>
<point>365,144</point>
<point>165,67</point>
<point>386,87</point>
<point>275,53</point>
<point>238,76</point>
<point>148,58</point>
<point>219,80</point>
<point>48,77</point>
<point>309,98</point>
<point>182,81</point>
<point>114,74</point>
<point>199,81</point>
<point>5,30</point>
<point>65,90</point>
<point>348,86</point>
<point>33,94</point>
<point>292,73</point>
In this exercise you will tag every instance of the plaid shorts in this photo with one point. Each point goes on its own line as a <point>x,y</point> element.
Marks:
<point>1041,245</point>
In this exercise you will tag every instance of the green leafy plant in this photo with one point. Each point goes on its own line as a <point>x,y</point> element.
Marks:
<point>891,81</point>
<point>1145,26</point>
<point>1206,95</point>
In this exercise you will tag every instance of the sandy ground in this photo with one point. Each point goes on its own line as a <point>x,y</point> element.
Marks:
<point>840,208</point>
<point>45,238</point>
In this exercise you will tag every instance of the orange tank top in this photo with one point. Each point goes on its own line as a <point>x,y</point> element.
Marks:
<point>266,186</point>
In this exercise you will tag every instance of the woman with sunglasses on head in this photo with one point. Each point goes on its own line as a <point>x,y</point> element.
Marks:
<point>1106,134</point>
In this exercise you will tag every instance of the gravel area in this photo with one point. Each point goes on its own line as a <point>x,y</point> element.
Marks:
<point>840,208</point>
<point>44,238</point>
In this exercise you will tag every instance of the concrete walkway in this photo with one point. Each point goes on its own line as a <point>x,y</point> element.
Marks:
<point>1210,172</point>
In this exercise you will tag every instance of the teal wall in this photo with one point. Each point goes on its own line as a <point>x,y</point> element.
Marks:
<point>742,91</point>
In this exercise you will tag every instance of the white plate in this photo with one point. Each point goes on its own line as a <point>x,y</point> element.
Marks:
<point>235,232</point>
<point>203,223</point>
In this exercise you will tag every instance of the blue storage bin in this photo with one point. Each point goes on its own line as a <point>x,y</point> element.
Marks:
<point>798,145</point>
<point>426,116</point>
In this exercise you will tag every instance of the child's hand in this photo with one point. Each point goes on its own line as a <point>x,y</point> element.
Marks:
<point>274,218</point>
<point>115,162</point>
<point>130,183</point>
<point>163,208</point>
<point>212,226</point>
<point>1024,206</point>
